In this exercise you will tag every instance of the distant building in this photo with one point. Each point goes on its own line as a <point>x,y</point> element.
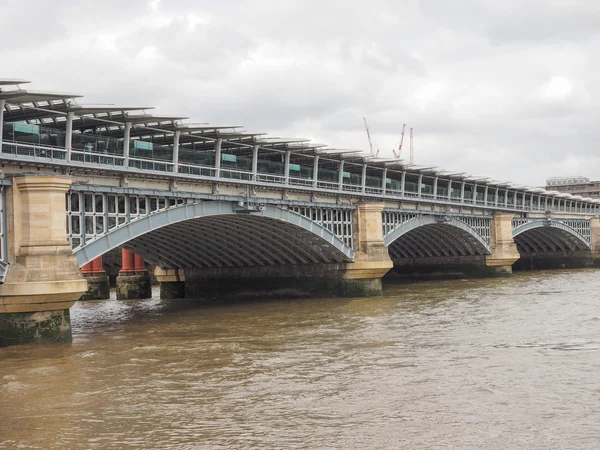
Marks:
<point>575,186</point>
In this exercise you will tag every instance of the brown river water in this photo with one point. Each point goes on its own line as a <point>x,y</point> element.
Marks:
<point>510,363</point>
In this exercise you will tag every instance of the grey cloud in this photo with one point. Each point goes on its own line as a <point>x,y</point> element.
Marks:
<point>468,75</point>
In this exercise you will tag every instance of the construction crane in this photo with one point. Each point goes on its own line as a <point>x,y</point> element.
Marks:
<point>370,142</point>
<point>397,155</point>
<point>411,145</point>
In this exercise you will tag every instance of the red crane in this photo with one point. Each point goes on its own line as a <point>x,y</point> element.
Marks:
<point>369,136</point>
<point>397,155</point>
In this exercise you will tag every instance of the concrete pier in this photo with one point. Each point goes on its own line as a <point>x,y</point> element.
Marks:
<point>98,282</point>
<point>133,282</point>
<point>172,283</point>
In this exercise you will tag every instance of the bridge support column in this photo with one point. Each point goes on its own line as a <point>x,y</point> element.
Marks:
<point>371,258</point>
<point>172,283</point>
<point>504,250</point>
<point>595,231</point>
<point>98,284</point>
<point>133,281</point>
<point>43,281</point>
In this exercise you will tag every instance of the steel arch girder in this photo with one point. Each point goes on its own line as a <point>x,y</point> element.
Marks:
<point>423,220</point>
<point>146,224</point>
<point>551,224</point>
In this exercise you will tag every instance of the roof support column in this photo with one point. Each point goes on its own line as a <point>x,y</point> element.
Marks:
<point>176,151</point>
<point>435,187</point>
<point>363,179</point>
<point>218,143</point>
<point>2,103</point>
<point>315,176</point>
<point>449,189</point>
<point>341,175</point>
<point>403,183</point>
<point>420,183</point>
<point>485,194</point>
<point>69,135</point>
<point>474,198</point>
<point>126,142</point>
<point>462,192</point>
<point>384,180</point>
<point>286,167</point>
<point>496,196</point>
<point>506,197</point>
<point>515,200</point>
<point>254,162</point>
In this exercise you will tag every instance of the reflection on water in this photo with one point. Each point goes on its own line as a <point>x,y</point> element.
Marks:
<point>497,364</point>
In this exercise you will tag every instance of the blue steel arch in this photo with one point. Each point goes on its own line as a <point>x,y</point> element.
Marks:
<point>424,220</point>
<point>577,237</point>
<point>182,214</point>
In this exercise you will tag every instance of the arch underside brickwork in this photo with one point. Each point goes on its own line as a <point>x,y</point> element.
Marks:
<point>426,237</point>
<point>215,234</point>
<point>540,238</point>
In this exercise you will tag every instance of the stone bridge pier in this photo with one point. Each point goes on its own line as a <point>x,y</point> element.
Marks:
<point>43,279</point>
<point>504,249</point>
<point>595,231</point>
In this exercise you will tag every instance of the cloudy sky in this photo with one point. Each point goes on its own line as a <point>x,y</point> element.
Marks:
<point>508,89</point>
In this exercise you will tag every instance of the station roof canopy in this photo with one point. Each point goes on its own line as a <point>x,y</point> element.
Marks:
<point>12,81</point>
<point>22,96</point>
<point>51,109</point>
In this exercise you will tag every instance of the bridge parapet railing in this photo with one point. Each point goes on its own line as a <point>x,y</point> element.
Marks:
<point>295,181</point>
<point>153,165</point>
<point>34,151</point>
<point>329,185</point>
<point>270,178</point>
<point>236,174</point>
<point>194,169</point>
<point>98,158</point>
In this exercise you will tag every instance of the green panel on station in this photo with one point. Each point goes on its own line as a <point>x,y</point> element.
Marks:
<point>26,128</point>
<point>346,174</point>
<point>388,181</point>
<point>229,158</point>
<point>143,145</point>
<point>295,167</point>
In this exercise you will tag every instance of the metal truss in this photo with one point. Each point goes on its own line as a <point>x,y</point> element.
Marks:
<point>340,221</point>
<point>413,234</point>
<point>179,232</point>
<point>552,235</point>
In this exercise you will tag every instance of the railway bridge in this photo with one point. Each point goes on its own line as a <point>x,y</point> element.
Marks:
<point>218,210</point>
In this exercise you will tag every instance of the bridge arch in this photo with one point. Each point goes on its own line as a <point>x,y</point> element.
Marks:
<point>434,236</point>
<point>549,236</point>
<point>221,234</point>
